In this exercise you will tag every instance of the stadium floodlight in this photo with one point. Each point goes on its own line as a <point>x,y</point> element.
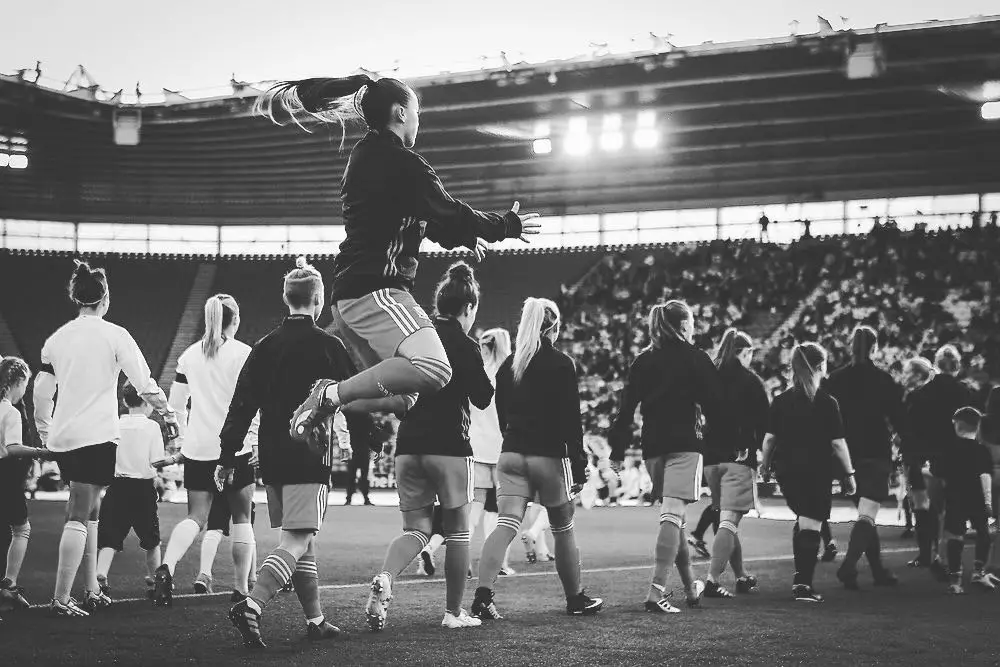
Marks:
<point>18,161</point>
<point>991,111</point>
<point>541,146</point>
<point>612,141</point>
<point>612,122</point>
<point>4,160</point>
<point>578,144</point>
<point>542,129</point>
<point>646,138</point>
<point>646,119</point>
<point>578,125</point>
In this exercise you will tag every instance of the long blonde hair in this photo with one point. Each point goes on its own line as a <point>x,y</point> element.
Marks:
<point>808,362</point>
<point>538,317</point>
<point>220,311</point>
<point>497,345</point>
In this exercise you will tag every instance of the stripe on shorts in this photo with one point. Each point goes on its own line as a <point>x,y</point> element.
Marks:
<point>470,487</point>
<point>433,368</point>
<point>568,478</point>
<point>321,496</point>
<point>396,311</point>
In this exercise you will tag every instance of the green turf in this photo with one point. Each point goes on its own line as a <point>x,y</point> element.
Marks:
<point>871,627</point>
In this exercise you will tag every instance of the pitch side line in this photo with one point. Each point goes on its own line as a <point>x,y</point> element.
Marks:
<point>546,573</point>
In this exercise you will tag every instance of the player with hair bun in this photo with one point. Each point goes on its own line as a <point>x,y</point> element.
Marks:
<point>82,360</point>
<point>392,200</point>
<point>804,435</point>
<point>434,457</point>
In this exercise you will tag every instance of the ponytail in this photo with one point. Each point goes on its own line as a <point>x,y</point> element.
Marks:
<point>220,311</point>
<point>863,340</point>
<point>497,344</point>
<point>87,286</point>
<point>333,101</point>
<point>808,360</point>
<point>458,288</point>
<point>538,317</point>
<point>665,322</point>
<point>734,341</point>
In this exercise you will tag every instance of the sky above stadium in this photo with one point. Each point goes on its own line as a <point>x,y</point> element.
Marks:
<point>197,44</point>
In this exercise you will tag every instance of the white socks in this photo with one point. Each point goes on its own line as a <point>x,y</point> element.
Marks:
<point>180,541</point>
<point>243,548</point>
<point>72,546</point>
<point>209,547</point>
<point>15,553</point>
<point>104,558</point>
<point>90,559</point>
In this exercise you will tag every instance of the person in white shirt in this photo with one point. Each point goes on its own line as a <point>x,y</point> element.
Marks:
<point>206,374</point>
<point>130,502</point>
<point>83,360</point>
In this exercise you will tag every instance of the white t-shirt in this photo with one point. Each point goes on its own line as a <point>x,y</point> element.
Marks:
<point>87,354</point>
<point>484,432</point>
<point>10,427</point>
<point>141,444</point>
<point>211,383</point>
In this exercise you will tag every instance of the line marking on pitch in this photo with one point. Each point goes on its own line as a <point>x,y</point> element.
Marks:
<point>514,577</point>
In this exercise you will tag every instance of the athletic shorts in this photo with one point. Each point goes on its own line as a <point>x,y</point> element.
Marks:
<point>491,502</point>
<point>962,505</point>
<point>437,521</point>
<point>543,479</point>
<point>486,475</point>
<point>13,505</point>
<point>420,478</point>
<point>807,493</point>
<point>94,464</point>
<point>200,475</point>
<point>676,475</point>
<point>129,505</point>
<point>872,477</point>
<point>297,506</point>
<point>220,517</point>
<point>732,486</point>
<point>374,325</point>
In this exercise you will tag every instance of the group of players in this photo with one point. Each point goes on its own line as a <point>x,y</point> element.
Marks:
<point>389,356</point>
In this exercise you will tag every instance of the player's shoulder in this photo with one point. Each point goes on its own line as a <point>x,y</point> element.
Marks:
<point>8,411</point>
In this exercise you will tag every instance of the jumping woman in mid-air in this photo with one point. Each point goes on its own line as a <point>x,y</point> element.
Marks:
<point>392,200</point>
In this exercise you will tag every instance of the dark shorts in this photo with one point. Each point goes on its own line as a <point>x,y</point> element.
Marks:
<point>94,464</point>
<point>872,477</point>
<point>13,506</point>
<point>129,505</point>
<point>200,475</point>
<point>437,521</point>
<point>491,502</point>
<point>220,516</point>
<point>963,504</point>
<point>807,493</point>
<point>676,475</point>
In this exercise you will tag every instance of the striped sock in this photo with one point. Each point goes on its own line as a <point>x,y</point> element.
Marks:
<point>403,550</point>
<point>567,558</point>
<point>275,572</point>
<point>722,549</point>
<point>306,580</point>
<point>495,548</point>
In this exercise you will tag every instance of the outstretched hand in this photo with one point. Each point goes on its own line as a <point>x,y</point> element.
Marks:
<point>527,226</point>
<point>480,250</point>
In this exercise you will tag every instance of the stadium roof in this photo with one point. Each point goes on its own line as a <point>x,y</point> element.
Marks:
<point>801,118</point>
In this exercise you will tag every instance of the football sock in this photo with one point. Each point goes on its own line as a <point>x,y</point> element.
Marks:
<point>709,517</point>
<point>736,559</point>
<point>181,539</point>
<point>402,551</point>
<point>390,377</point>
<point>306,581</point>
<point>982,543</point>
<point>683,563</point>
<point>924,533</point>
<point>995,553</point>
<point>955,546</point>
<point>72,546</point>
<point>667,544</point>
<point>434,544</point>
<point>861,534</point>
<point>104,558</point>
<point>806,552</point>
<point>456,569</point>
<point>825,533</point>
<point>874,552</point>
<point>15,552</point>
<point>722,549</point>
<point>908,512</point>
<point>475,514</point>
<point>5,539</point>
<point>490,524</point>
<point>152,560</point>
<point>495,548</point>
<point>567,558</point>
<point>209,548</point>
<point>243,545</point>
<point>275,572</point>
<point>90,559</point>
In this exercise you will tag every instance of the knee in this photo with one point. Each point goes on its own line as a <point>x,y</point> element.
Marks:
<point>731,518</point>
<point>561,519</point>
<point>805,523</point>
<point>668,516</point>
<point>509,522</point>
<point>455,521</point>
<point>436,373</point>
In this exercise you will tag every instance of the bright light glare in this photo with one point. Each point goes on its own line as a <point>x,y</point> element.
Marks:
<point>542,146</point>
<point>4,160</point>
<point>646,138</point>
<point>577,144</point>
<point>18,161</point>
<point>991,111</point>
<point>578,125</point>
<point>541,128</point>
<point>612,141</point>
<point>646,119</point>
<point>612,122</point>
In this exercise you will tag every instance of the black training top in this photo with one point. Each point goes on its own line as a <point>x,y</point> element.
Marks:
<point>869,400</point>
<point>540,415</point>
<point>439,422</point>
<point>742,419</point>
<point>675,385</point>
<point>393,199</point>
<point>963,463</point>
<point>804,431</point>
<point>928,429</point>
<point>276,379</point>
